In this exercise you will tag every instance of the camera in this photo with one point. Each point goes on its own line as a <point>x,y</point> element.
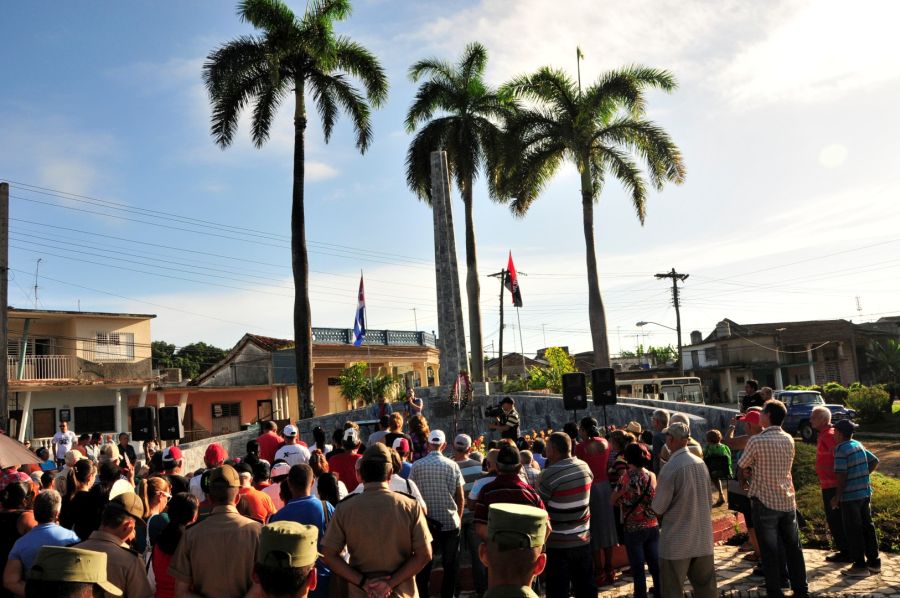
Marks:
<point>493,411</point>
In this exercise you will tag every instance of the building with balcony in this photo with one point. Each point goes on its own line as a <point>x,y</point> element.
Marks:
<point>75,366</point>
<point>780,354</point>
<point>257,379</point>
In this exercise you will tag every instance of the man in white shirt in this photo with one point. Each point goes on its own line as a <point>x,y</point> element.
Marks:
<point>291,452</point>
<point>63,442</point>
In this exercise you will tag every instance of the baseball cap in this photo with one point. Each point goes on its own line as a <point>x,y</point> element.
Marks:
<point>678,430</point>
<point>225,475</point>
<point>351,434</point>
<point>129,502</point>
<point>507,457</point>
<point>289,430</point>
<point>401,445</point>
<point>462,441</point>
<point>512,526</point>
<point>751,417</point>
<point>845,427</point>
<point>437,437</point>
<point>280,469</point>
<point>13,477</point>
<point>215,453</point>
<point>172,453</point>
<point>377,452</point>
<point>287,545</point>
<point>58,563</point>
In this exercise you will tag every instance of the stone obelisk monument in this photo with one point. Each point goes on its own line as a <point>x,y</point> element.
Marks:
<point>452,336</point>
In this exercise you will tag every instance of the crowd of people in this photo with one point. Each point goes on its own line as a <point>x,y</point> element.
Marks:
<point>339,516</point>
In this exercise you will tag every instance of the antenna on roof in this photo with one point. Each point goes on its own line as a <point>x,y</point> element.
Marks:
<point>37,267</point>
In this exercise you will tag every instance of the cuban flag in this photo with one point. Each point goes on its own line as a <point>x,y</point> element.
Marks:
<point>359,324</point>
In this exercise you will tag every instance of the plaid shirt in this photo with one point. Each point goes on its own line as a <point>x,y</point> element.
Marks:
<point>438,479</point>
<point>771,454</point>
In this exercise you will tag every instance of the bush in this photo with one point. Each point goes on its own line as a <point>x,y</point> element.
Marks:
<point>885,513</point>
<point>870,403</point>
<point>835,393</point>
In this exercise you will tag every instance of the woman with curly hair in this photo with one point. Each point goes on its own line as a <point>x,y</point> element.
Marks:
<point>418,432</point>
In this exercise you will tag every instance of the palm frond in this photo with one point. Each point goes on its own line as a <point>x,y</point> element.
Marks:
<point>431,66</point>
<point>326,105</point>
<point>233,75</point>
<point>268,15</point>
<point>354,104</point>
<point>626,171</point>
<point>268,98</point>
<point>473,62</point>
<point>362,64</point>
<point>418,157</point>
<point>431,96</point>
<point>650,141</point>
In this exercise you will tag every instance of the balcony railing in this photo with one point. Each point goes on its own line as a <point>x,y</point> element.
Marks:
<point>344,336</point>
<point>43,367</point>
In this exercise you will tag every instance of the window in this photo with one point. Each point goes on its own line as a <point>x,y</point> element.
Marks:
<point>114,346</point>
<point>226,410</point>
<point>334,382</point>
<point>95,419</point>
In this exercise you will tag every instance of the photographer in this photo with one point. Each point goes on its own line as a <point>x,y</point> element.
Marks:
<point>507,422</point>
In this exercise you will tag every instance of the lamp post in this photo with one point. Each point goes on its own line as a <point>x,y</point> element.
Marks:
<point>677,331</point>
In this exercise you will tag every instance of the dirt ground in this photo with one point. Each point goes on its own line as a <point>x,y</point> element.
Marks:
<point>888,451</point>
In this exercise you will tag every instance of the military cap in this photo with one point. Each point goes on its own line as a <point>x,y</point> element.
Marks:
<point>512,526</point>
<point>129,502</point>
<point>225,475</point>
<point>76,565</point>
<point>377,452</point>
<point>288,544</point>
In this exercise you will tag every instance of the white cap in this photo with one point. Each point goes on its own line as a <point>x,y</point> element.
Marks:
<point>351,434</point>
<point>462,441</point>
<point>437,437</point>
<point>289,430</point>
<point>280,469</point>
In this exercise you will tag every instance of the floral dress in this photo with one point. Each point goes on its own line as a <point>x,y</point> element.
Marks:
<point>635,502</point>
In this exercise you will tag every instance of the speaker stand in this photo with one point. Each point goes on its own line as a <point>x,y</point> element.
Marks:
<point>605,422</point>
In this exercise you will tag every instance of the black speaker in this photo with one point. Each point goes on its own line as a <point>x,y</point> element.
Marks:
<point>143,423</point>
<point>574,391</point>
<point>603,383</point>
<point>170,425</point>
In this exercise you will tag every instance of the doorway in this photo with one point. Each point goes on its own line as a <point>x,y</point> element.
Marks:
<point>43,423</point>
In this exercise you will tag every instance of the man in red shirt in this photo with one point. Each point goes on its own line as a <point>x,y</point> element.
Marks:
<point>259,505</point>
<point>508,487</point>
<point>344,463</point>
<point>269,441</point>
<point>820,420</point>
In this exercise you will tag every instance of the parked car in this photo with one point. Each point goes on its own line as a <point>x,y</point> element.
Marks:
<point>800,404</point>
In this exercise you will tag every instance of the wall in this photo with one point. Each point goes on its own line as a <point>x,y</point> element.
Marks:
<point>537,411</point>
<point>249,368</point>
<point>65,399</point>
<point>88,327</point>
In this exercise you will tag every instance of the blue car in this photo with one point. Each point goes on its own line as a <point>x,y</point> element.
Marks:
<point>800,404</point>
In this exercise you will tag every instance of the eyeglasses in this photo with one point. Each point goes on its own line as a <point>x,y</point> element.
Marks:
<point>166,494</point>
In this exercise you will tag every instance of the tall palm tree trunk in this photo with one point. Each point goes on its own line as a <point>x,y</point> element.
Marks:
<point>596,313</point>
<point>473,288</point>
<point>300,265</point>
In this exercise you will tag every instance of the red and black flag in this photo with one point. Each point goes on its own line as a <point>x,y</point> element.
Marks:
<point>512,282</point>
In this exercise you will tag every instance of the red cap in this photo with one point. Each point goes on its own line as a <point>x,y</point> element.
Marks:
<point>751,417</point>
<point>401,445</point>
<point>172,453</point>
<point>215,454</point>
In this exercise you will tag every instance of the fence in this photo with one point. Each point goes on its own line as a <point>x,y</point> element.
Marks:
<point>43,367</point>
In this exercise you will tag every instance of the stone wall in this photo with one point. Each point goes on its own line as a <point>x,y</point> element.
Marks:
<point>537,412</point>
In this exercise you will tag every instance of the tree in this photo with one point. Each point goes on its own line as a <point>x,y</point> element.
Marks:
<point>884,358</point>
<point>291,56</point>
<point>357,382</point>
<point>192,359</point>
<point>604,133</point>
<point>467,127</point>
<point>559,362</point>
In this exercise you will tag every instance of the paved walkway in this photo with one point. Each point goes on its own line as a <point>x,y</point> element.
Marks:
<point>825,578</point>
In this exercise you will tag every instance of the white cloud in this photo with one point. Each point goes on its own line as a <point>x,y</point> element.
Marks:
<point>319,171</point>
<point>821,51</point>
<point>833,155</point>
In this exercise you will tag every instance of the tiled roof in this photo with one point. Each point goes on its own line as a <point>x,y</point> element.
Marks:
<point>269,343</point>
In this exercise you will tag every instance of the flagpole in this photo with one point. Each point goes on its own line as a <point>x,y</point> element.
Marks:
<point>521,343</point>
<point>368,346</point>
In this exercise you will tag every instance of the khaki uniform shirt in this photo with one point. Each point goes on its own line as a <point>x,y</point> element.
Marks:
<point>124,568</point>
<point>216,556</point>
<point>382,530</point>
<point>510,592</point>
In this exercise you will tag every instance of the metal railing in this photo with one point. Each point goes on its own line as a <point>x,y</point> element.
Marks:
<point>344,336</point>
<point>43,367</point>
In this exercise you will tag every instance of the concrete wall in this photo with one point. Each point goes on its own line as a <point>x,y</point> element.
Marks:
<point>537,412</point>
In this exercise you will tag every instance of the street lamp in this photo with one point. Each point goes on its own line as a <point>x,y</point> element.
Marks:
<point>678,331</point>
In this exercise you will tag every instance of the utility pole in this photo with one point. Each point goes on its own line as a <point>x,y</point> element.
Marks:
<point>4,303</point>
<point>675,276</point>
<point>502,276</point>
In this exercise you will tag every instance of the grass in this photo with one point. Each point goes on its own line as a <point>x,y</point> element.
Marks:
<point>885,503</point>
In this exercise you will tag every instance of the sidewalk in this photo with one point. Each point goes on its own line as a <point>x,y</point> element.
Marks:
<point>825,578</point>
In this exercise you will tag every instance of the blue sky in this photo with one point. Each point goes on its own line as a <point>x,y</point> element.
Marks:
<point>785,114</point>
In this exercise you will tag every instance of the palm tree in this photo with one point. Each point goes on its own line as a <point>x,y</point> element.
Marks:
<point>604,133</point>
<point>884,359</point>
<point>467,128</point>
<point>294,55</point>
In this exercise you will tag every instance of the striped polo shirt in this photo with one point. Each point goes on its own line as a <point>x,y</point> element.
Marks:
<point>850,458</point>
<point>565,487</point>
